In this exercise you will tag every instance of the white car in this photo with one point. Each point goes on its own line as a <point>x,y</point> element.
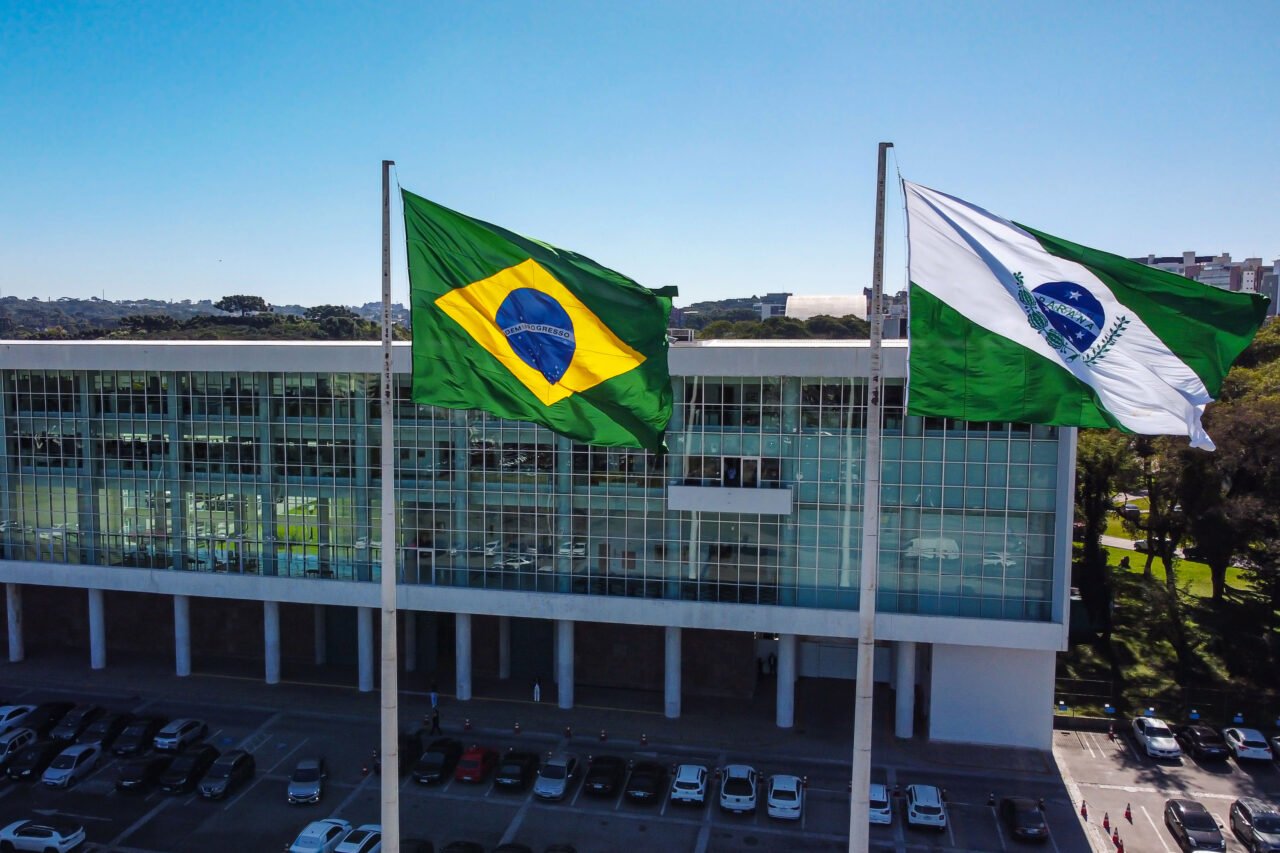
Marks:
<point>1156,739</point>
<point>366,838</point>
<point>12,716</point>
<point>925,807</point>
<point>179,733</point>
<point>43,835</point>
<point>738,788</point>
<point>689,784</point>
<point>555,775</point>
<point>71,765</point>
<point>492,548</point>
<point>321,836</point>
<point>573,548</point>
<point>881,810</point>
<point>516,563</point>
<point>1247,744</point>
<point>786,797</point>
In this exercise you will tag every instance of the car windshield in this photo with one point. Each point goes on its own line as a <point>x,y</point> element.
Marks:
<point>737,788</point>
<point>184,762</point>
<point>431,759</point>
<point>1157,730</point>
<point>784,795</point>
<point>1255,744</point>
<point>879,805</point>
<point>1199,821</point>
<point>469,763</point>
<point>307,844</point>
<point>220,771</point>
<point>136,730</point>
<point>63,762</point>
<point>511,769</point>
<point>929,810</point>
<point>306,773</point>
<point>1269,823</point>
<point>356,836</point>
<point>553,771</point>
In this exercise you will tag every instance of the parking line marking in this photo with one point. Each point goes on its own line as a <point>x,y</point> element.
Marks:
<point>354,792</point>
<point>999,829</point>
<point>891,783</point>
<point>285,757</point>
<point>514,826</point>
<point>140,822</point>
<point>1154,829</point>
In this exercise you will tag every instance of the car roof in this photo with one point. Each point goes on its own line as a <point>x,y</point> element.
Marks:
<point>879,791</point>
<point>738,770</point>
<point>78,748</point>
<point>1247,734</point>
<point>926,794</point>
<point>230,756</point>
<point>320,827</point>
<point>174,725</point>
<point>1187,805</point>
<point>785,781</point>
<point>1258,806</point>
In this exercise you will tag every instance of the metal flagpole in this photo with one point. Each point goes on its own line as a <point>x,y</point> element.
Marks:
<point>860,786</point>
<point>390,722</point>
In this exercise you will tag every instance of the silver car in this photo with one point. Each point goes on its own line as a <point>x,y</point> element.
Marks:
<point>179,733</point>
<point>555,775</point>
<point>71,765</point>
<point>306,785</point>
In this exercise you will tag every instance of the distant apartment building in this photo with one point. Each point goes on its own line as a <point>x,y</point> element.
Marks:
<point>1218,270</point>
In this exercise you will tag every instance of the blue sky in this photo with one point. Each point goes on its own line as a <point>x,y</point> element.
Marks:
<point>191,150</point>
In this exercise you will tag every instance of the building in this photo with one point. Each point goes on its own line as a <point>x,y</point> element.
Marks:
<point>227,495</point>
<point>772,305</point>
<point>1218,271</point>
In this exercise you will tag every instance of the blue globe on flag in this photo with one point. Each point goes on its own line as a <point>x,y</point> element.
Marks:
<point>1073,311</point>
<point>539,331</point>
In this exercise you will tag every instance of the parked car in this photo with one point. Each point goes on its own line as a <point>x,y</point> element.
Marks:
<point>1247,744</point>
<point>232,769</point>
<point>647,782</point>
<point>142,773</point>
<point>104,730</point>
<point>1256,824</point>
<point>881,809</point>
<point>926,807</point>
<point>555,775</point>
<point>71,765</point>
<point>573,548</point>
<point>75,721</point>
<point>689,784</point>
<point>46,716</point>
<point>476,764</point>
<point>1155,738</point>
<point>738,788</point>
<point>786,797</point>
<point>1192,827</point>
<point>366,838</point>
<point>13,742</point>
<point>180,733</point>
<point>438,761</point>
<point>45,835</point>
<point>29,765</point>
<point>187,768</point>
<point>306,784</point>
<point>1201,742</point>
<point>604,775</point>
<point>320,836</point>
<point>1024,818</point>
<point>138,736</point>
<point>13,716</point>
<point>516,770</point>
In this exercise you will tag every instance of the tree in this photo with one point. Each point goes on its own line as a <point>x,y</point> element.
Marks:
<point>323,312</point>
<point>242,303</point>
<point>1104,466</point>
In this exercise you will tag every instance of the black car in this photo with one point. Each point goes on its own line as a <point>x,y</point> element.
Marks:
<point>76,721</point>
<point>104,730</point>
<point>516,770</point>
<point>438,761</point>
<point>229,772</point>
<point>647,783</point>
<point>187,768</point>
<point>1192,826</point>
<point>604,775</point>
<point>29,764</point>
<point>138,735</point>
<point>45,716</point>
<point>1201,742</point>
<point>142,774</point>
<point>1024,819</point>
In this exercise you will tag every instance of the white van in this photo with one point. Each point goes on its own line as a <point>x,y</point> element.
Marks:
<point>14,741</point>
<point>927,548</point>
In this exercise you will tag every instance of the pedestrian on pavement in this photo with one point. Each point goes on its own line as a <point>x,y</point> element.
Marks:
<point>435,697</point>
<point>435,722</point>
<point>773,664</point>
<point>537,690</point>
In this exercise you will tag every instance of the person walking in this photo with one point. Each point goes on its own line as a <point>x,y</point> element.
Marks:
<point>435,696</point>
<point>537,690</point>
<point>435,722</point>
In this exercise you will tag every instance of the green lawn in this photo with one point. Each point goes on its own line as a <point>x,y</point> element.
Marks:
<point>1187,571</point>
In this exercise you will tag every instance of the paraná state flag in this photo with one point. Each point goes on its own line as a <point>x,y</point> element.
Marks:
<point>1010,324</point>
<point>523,330</point>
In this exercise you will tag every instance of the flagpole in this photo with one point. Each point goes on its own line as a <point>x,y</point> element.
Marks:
<point>860,785</point>
<point>390,722</point>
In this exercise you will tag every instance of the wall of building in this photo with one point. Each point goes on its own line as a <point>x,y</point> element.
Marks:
<point>992,696</point>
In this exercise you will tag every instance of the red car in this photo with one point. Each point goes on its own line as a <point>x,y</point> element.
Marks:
<point>476,764</point>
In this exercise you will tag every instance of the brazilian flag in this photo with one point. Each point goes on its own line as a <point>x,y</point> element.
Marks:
<point>529,332</point>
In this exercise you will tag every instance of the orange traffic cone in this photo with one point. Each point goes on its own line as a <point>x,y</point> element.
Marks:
<point>1106,822</point>
<point>1119,847</point>
<point>1115,836</point>
<point>1084,809</point>
<point>1128,813</point>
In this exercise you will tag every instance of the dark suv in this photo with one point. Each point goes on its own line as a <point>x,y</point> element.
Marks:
<point>1256,824</point>
<point>438,761</point>
<point>604,775</point>
<point>187,768</point>
<point>1192,826</point>
<point>1201,742</point>
<point>516,770</point>
<point>137,736</point>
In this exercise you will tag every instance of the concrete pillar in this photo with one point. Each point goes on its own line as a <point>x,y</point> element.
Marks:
<point>410,641</point>
<point>564,662</point>
<point>504,647</point>
<point>462,655</point>
<point>271,640</point>
<point>182,635</point>
<point>97,631</point>
<point>671,706</point>
<point>904,686</point>
<point>321,635</point>
<point>364,647</point>
<point>786,676</point>
<point>13,604</point>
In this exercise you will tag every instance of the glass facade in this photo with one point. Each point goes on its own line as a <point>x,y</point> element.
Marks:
<point>278,473</point>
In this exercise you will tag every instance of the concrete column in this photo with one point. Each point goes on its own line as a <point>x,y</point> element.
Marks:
<point>321,635</point>
<point>364,646</point>
<point>786,676</point>
<point>410,641</point>
<point>462,655</point>
<point>271,640</point>
<point>182,635</point>
<point>904,686</point>
<point>97,631</point>
<point>504,647</point>
<point>671,706</point>
<point>564,662</point>
<point>13,604</point>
